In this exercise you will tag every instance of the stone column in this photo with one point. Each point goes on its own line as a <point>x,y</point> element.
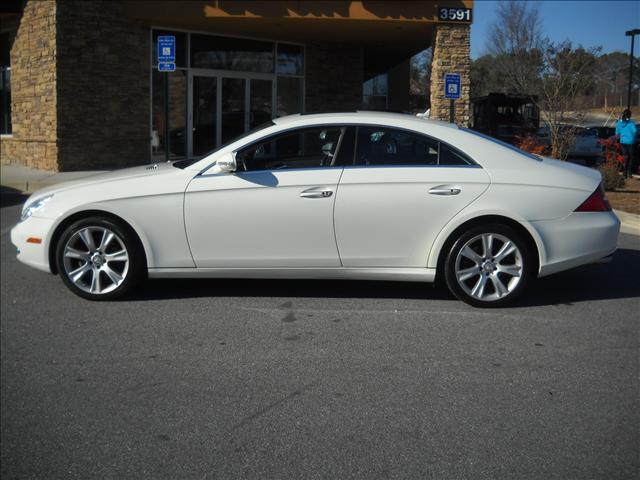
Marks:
<point>451,54</point>
<point>33,141</point>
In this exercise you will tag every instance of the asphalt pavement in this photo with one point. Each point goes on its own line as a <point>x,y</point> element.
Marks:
<point>218,379</point>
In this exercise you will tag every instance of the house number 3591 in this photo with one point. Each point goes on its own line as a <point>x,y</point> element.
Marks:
<point>455,14</point>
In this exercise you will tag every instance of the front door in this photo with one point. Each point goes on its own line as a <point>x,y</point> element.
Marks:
<point>224,107</point>
<point>276,211</point>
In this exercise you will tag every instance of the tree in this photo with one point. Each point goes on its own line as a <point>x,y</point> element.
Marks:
<point>567,74</point>
<point>485,78</point>
<point>516,43</point>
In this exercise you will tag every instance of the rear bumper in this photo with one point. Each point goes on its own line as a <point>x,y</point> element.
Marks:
<point>580,238</point>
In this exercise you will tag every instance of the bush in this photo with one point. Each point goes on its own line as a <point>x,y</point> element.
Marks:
<point>530,144</point>
<point>611,178</point>
<point>613,162</point>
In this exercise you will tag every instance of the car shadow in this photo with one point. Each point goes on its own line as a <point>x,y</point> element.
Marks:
<point>591,282</point>
<point>10,197</point>
<point>599,281</point>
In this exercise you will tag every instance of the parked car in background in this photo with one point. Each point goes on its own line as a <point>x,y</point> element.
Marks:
<point>365,195</point>
<point>585,148</point>
<point>604,132</point>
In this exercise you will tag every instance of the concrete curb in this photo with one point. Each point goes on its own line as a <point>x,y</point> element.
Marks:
<point>630,222</point>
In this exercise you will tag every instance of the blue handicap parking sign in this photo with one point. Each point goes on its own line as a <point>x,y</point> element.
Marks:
<point>167,49</point>
<point>452,86</point>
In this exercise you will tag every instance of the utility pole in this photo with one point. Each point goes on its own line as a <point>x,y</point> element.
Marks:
<point>632,34</point>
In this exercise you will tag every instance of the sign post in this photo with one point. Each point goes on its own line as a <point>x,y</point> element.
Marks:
<point>452,82</point>
<point>166,64</point>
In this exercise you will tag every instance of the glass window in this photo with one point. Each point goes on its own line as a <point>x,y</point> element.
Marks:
<point>171,119</point>
<point>238,54</point>
<point>289,96</point>
<point>289,59</point>
<point>388,146</point>
<point>374,92</point>
<point>5,85</point>
<point>303,148</point>
<point>5,100</point>
<point>181,46</point>
<point>450,156</point>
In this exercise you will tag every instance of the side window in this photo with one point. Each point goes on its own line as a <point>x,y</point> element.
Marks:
<point>388,146</point>
<point>449,156</point>
<point>303,148</point>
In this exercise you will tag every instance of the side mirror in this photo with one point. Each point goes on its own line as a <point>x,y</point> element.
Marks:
<point>227,163</point>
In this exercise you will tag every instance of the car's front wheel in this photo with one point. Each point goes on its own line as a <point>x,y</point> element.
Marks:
<point>98,259</point>
<point>489,266</point>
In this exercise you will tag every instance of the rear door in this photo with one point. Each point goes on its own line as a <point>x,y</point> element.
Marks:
<point>400,190</point>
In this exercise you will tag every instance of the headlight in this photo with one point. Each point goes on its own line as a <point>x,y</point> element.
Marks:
<point>33,207</point>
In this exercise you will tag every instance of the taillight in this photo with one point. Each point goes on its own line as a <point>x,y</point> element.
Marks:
<point>597,202</point>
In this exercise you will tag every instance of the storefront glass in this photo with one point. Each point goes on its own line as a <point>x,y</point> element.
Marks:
<point>220,89</point>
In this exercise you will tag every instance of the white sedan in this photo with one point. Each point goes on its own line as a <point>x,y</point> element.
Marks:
<point>368,196</point>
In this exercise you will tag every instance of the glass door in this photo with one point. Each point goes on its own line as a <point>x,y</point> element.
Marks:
<point>205,114</point>
<point>260,102</point>
<point>233,108</point>
<point>224,107</point>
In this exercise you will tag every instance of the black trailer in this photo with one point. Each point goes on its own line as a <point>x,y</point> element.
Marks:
<point>506,116</point>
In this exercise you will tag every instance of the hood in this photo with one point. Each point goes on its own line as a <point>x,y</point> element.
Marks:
<point>125,173</point>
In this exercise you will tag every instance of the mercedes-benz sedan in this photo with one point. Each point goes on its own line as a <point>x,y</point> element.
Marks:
<point>364,195</point>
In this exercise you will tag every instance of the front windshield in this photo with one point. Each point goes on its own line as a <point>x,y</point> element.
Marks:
<point>533,156</point>
<point>190,161</point>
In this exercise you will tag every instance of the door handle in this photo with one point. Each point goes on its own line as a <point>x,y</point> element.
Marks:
<point>316,192</point>
<point>445,190</point>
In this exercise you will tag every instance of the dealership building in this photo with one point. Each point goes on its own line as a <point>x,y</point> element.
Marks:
<point>82,88</point>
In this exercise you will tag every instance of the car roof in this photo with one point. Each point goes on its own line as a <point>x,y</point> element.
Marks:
<point>384,118</point>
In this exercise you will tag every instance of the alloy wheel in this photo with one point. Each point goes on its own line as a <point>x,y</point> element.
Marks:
<point>96,260</point>
<point>489,267</point>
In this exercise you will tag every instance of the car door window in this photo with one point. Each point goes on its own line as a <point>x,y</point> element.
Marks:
<point>301,148</point>
<point>451,156</point>
<point>394,147</point>
<point>389,146</point>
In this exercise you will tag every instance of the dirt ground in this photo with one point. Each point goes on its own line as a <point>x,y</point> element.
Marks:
<point>627,199</point>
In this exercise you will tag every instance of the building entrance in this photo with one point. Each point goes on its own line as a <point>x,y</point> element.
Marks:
<point>224,107</point>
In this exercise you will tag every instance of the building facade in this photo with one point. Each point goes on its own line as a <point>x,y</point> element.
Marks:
<point>81,88</point>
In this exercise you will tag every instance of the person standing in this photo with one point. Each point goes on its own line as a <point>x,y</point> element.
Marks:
<point>626,131</point>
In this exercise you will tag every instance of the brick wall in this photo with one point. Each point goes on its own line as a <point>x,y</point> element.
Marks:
<point>33,88</point>
<point>334,75</point>
<point>103,88</point>
<point>451,54</point>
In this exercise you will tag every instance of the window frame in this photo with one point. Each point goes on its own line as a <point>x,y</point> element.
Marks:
<point>338,126</point>
<point>345,126</point>
<point>472,163</point>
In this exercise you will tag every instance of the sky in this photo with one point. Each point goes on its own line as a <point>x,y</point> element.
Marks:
<point>589,23</point>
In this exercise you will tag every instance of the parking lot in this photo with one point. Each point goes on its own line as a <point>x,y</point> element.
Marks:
<point>319,379</point>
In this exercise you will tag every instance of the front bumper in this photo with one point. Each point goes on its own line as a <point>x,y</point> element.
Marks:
<point>578,239</point>
<point>35,255</point>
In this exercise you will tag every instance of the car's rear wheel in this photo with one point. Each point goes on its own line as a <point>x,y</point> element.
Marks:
<point>489,266</point>
<point>98,259</point>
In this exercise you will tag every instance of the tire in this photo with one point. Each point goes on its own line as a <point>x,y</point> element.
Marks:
<point>99,259</point>
<point>489,266</point>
